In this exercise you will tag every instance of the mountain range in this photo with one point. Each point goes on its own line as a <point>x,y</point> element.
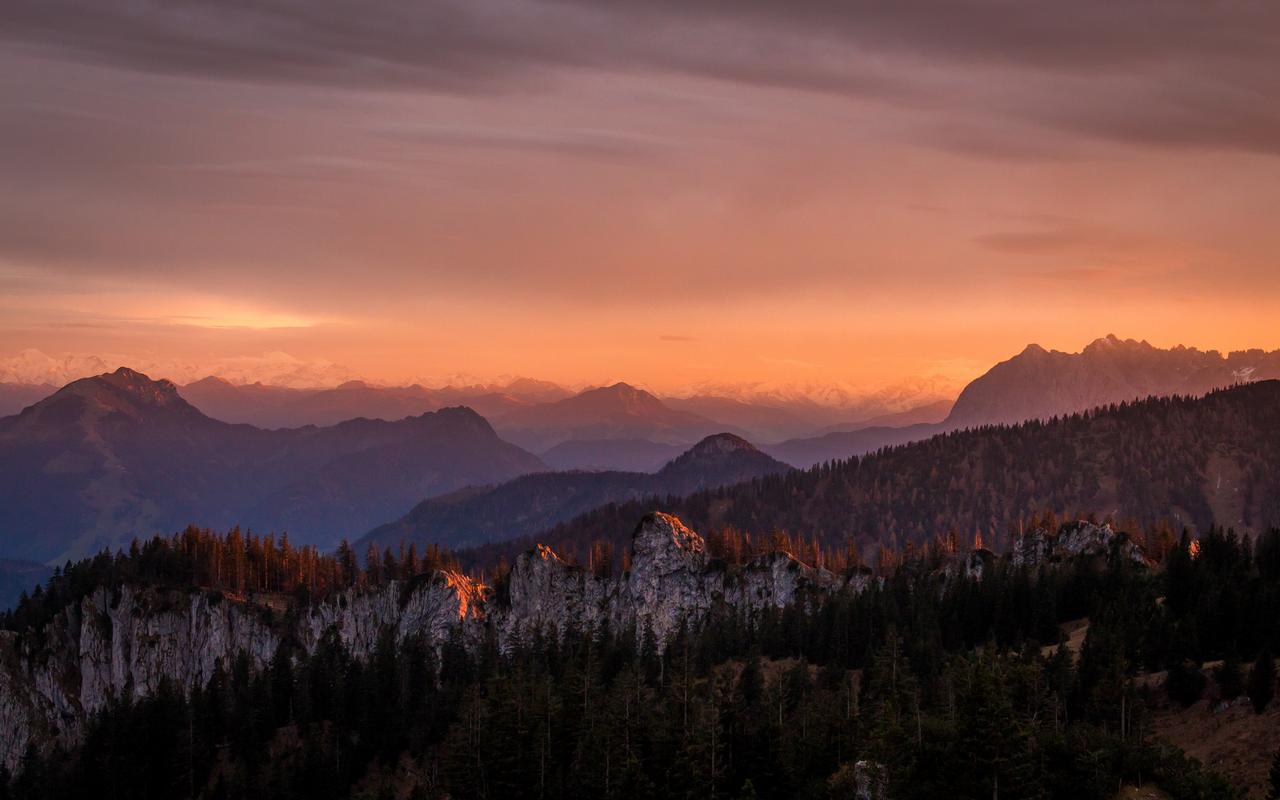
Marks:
<point>1178,462</point>
<point>109,458</point>
<point>533,502</point>
<point>281,407</point>
<point>620,411</point>
<point>1039,383</point>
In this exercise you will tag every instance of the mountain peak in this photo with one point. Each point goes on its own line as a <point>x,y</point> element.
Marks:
<point>212,381</point>
<point>721,443</point>
<point>661,538</point>
<point>621,395</point>
<point>623,389</point>
<point>125,391</point>
<point>721,459</point>
<point>1113,343</point>
<point>140,387</point>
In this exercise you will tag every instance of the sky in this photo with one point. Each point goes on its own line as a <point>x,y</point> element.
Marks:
<point>671,193</point>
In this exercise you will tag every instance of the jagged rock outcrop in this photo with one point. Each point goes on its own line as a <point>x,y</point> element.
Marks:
<point>126,642</point>
<point>1039,546</point>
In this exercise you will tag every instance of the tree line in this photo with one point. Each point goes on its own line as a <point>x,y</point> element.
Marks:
<point>951,685</point>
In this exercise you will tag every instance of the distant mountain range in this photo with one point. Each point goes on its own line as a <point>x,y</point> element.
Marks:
<point>278,407</point>
<point>108,458</point>
<point>16,396</point>
<point>1187,462</point>
<point>1039,383</point>
<point>620,411</point>
<point>533,502</point>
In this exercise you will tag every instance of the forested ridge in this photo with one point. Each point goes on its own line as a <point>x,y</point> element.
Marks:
<point>1169,462</point>
<point>937,676</point>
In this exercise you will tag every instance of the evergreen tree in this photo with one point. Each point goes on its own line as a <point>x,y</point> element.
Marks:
<point>1262,680</point>
<point>1273,792</point>
<point>1229,678</point>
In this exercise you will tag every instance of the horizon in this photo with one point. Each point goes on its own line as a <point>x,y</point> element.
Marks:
<point>283,370</point>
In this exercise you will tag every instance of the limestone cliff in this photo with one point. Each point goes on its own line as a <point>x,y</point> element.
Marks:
<point>124,643</point>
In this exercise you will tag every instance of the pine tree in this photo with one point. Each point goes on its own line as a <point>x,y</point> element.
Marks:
<point>1262,680</point>
<point>1230,681</point>
<point>1274,793</point>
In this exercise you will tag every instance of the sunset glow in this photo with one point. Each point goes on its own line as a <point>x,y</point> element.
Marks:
<point>895,203</point>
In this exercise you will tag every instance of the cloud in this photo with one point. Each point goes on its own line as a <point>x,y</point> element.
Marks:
<point>1201,73</point>
<point>597,143</point>
<point>1060,240</point>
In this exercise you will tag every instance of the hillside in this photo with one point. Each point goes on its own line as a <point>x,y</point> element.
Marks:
<point>531,503</point>
<point>118,456</point>
<point>1188,461</point>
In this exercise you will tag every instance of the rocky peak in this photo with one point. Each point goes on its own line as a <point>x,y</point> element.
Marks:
<point>1079,538</point>
<point>722,444</point>
<point>1033,350</point>
<point>1114,344</point>
<point>124,391</point>
<point>662,543</point>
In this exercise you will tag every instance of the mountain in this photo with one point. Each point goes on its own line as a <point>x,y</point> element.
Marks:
<point>619,411</point>
<point>34,368</point>
<point>927,414</point>
<point>274,369</point>
<point>109,458</point>
<point>279,407</point>
<point>255,404</point>
<point>632,455</point>
<point>1190,462</point>
<point>762,422</point>
<point>16,396</point>
<point>530,503</point>
<point>1039,383</point>
<point>825,403</point>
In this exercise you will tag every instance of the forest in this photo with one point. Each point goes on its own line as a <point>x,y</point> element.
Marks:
<point>944,684</point>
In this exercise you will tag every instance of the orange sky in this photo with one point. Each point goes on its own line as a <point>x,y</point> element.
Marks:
<point>640,192</point>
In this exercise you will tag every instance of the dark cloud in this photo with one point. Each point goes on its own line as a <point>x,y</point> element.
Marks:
<point>1165,72</point>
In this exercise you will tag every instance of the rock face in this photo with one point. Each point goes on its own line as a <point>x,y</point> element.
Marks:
<point>125,643</point>
<point>1039,546</point>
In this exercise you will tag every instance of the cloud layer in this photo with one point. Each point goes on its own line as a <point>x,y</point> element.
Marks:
<point>788,175</point>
